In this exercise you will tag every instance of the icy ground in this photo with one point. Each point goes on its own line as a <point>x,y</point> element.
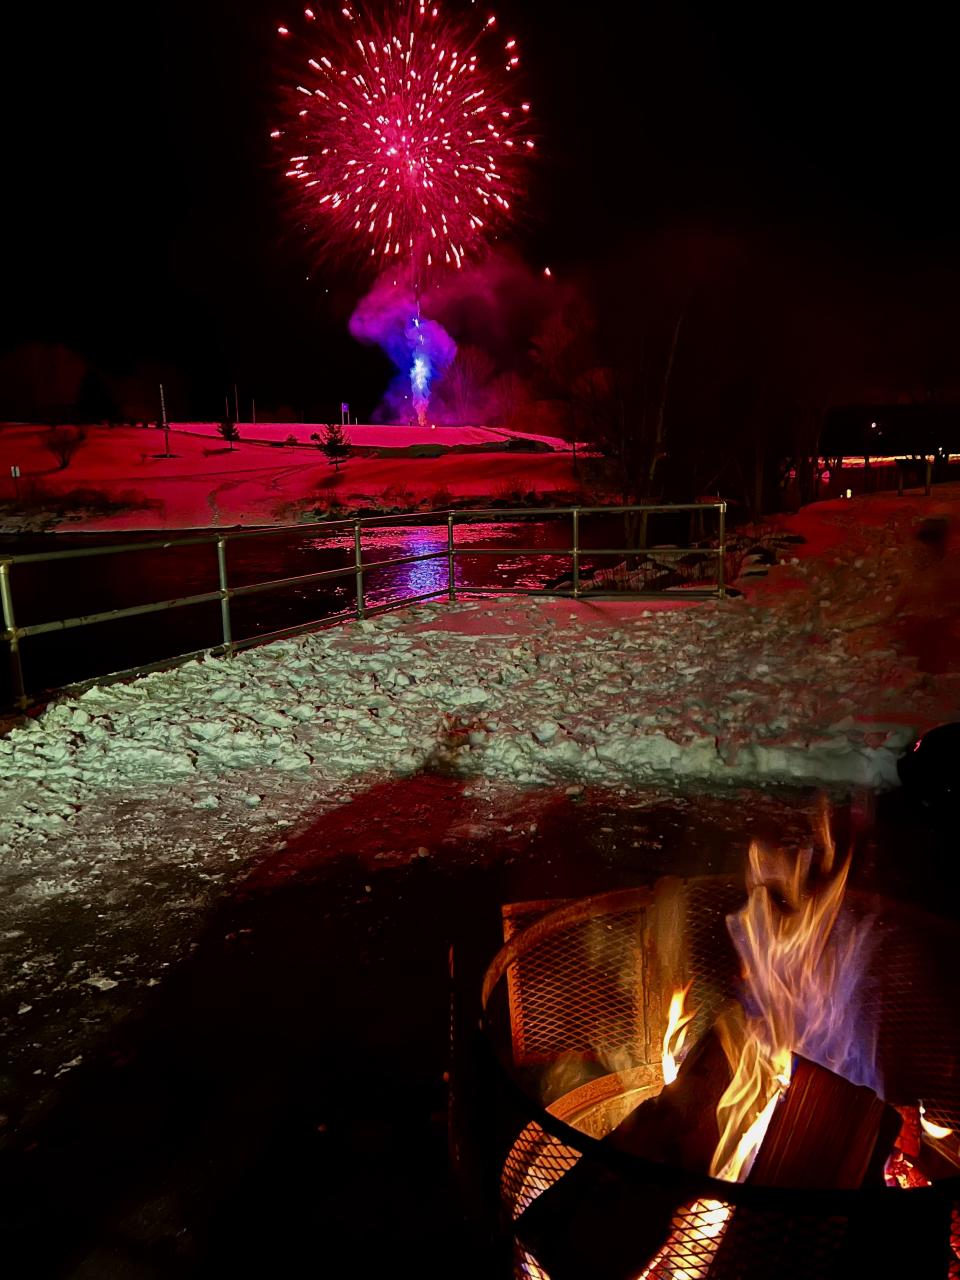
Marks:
<point>125,810</point>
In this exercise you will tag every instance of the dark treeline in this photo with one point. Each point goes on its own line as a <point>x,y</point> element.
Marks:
<point>694,363</point>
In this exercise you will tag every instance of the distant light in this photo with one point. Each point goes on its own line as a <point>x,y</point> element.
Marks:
<point>547,271</point>
<point>848,494</point>
<point>873,425</point>
<point>283,31</point>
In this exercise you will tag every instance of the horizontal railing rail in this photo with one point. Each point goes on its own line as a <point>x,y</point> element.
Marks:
<point>351,532</point>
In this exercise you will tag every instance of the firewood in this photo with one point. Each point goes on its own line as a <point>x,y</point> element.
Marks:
<point>594,1221</point>
<point>679,1126</point>
<point>824,1133</point>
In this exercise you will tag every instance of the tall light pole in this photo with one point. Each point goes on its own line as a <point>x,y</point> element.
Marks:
<point>236,404</point>
<point>165,424</point>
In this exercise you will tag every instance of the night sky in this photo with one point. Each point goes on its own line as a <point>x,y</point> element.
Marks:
<point>146,221</point>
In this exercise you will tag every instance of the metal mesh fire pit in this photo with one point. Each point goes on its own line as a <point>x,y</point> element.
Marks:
<point>574,1011</point>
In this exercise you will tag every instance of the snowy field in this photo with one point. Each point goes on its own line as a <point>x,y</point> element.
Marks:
<point>127,810</point>
<point>207,484</point>
<point>378,435</point>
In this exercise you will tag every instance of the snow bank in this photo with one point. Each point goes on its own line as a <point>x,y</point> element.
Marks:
<point>800,682</point>
<point>718,692</point>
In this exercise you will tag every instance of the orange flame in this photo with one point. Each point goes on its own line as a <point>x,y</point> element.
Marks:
<point>674,1038</point>
<point>800,975</point>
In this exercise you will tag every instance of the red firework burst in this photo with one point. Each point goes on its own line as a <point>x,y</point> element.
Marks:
<point>402,133</point>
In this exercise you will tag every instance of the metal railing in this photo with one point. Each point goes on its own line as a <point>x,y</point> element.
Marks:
<point>14,634</point>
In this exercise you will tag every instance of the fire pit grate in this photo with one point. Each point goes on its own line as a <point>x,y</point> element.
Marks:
<point>573,1006</point>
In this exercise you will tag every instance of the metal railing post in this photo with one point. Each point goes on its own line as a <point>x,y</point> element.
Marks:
<point>575,550</point>
<point>224,594</point>
<point>722,553</point>
<point>12,638</point>
<point>358,563</point>
<point>451,570</point>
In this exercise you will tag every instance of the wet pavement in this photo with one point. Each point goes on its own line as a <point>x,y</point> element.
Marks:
<point>277,1106</point>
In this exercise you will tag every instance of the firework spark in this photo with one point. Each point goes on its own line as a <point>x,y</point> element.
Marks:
<point>403,134</point>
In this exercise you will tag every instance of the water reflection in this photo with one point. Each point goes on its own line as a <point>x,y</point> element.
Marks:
<point>63,589</point>
<point>389,542</point>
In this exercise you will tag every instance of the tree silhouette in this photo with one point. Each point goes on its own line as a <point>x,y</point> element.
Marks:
<point>63,443</point>
<point>333,443</point>
<point>229,431</point>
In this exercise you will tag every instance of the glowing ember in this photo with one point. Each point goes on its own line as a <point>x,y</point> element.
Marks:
<point>802,966</point>
<point>900,1171</point>
<point>696,1232</point>
<point>402,134</point>
<point>934,1130</point>
<point>675,1035</point>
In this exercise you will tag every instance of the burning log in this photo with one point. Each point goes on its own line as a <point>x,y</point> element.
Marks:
<point>825,1132</point>
<point>679,1126</point>
<point>593,1222</point>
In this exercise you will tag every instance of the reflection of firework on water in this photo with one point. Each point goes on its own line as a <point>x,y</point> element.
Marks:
<point>403,134</point>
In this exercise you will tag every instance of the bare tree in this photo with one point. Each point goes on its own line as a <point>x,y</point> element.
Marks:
<point>63,443</point>
<point>508,395</point>
<point>40,382</point>
<point>461,393</point>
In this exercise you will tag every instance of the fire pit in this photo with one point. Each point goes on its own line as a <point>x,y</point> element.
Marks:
<point>576,1019</point>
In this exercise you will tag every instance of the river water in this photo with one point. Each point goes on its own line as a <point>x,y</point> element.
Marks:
<point>63,589</point>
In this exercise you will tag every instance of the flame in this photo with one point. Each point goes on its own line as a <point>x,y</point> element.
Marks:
<point>678,1022</point>
<point>802,966</point>
<point>826,836</point>
<point>934,1130</point>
